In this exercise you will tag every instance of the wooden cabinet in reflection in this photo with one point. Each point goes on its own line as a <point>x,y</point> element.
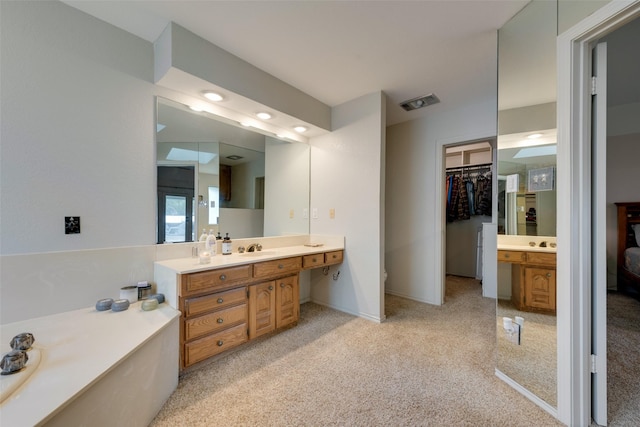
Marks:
<point>533,279</point>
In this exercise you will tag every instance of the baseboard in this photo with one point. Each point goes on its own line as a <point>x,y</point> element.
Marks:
<point>526,393</point>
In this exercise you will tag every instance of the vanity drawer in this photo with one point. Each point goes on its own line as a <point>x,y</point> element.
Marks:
<point>512,256</point>
<point>541,258</point>
<point>202,348</point>
<point>277,267</point>
<point>217,301</point>
<point>311,261</point>
<point>333,257</point>
<point>214,322</point>
<point>215,279</point>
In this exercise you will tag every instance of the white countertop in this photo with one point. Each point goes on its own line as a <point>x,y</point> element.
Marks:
<point>77,348</point>
<point>527,248</point>
<point>191,265</point>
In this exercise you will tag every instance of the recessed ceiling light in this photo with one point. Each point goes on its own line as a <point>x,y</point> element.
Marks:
<point>196,109</point>
<point>245,124</point>
<point>300,129</point>
<point>212,96</point>
<point>264,116</point>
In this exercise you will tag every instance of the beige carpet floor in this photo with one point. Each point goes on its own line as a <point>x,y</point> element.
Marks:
<point>533,363</point>
<point>424,366</point>
<point>623,360</point>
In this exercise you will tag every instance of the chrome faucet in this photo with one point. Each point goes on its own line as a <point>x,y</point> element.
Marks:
<point>254,247</point>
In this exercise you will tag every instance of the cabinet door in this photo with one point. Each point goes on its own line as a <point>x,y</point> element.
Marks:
<point>540,288</point>
<point>287,301</point>
<point>262,309</point>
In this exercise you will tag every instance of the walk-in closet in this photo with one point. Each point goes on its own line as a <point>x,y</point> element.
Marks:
<point>469,204</point>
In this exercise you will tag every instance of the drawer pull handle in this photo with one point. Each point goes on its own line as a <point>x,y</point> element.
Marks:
<point>548,274</point>
<point>314,259</point>
<point>270,288</point>
<point>506,255</point>
<point>220,343</point>
<point>280,266</point>
<point>281,285</point>
<point>335,256</point>
<point>223,277</point>
<point>220,320</point>
<point>220,300</point>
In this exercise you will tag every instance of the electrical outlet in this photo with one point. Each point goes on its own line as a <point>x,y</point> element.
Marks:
<point>305,213</point>
<point>71,225</point>
<point>314,213</point>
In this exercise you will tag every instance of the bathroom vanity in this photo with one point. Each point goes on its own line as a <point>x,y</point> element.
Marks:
<point>239,297</point>
<point>533,277</point>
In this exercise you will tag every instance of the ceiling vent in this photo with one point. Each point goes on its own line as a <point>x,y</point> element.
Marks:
<point>419,102</point>
<point>234,157</point>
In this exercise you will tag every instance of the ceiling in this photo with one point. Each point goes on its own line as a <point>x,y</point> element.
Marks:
<point>336,51</point>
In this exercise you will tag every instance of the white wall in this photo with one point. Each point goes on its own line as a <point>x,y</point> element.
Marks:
<point>77,111</point>
<point>414,197</point>
<point>346,171</point>
<point>77,131</point>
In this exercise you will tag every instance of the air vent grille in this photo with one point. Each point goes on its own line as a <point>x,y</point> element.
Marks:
<point>419,102</point>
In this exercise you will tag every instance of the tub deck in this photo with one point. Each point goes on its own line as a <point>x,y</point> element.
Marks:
<point>79,349</point>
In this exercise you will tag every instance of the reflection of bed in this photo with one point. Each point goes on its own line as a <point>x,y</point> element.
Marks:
<point>628,250</point>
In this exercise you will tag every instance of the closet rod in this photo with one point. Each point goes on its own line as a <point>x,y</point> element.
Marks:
<point>467,168</point>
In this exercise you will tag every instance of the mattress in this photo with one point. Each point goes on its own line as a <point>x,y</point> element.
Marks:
<point>632,260</point>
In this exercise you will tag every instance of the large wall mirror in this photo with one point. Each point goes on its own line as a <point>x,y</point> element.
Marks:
<point>526,321</point>
<point>215,175</point>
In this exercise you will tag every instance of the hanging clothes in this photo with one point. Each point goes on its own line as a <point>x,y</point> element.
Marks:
<point>452,206</point>
<point>471,195</point>
<point>463,201</point>
<point>483,194</point>
<point>468,193</point>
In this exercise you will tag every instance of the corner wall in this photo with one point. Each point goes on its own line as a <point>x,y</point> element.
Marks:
<point>415,201</point>
<point>346,168</point>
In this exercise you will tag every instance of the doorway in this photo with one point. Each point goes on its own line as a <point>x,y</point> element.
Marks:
<point>468,203</point>
<point>574,211</point>
<point>176,189</point>
<point>616,173</point>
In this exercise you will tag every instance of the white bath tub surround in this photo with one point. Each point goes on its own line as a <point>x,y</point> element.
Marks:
<point>96,368</point>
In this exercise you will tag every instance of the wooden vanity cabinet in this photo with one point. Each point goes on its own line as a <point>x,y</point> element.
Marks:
<point>262,317</point>
<point>533,279</point>
<point>223,308</point>
<point>273,305</point>
<point>212,324</point>
<point>287,301</point>
<point>322,259</point>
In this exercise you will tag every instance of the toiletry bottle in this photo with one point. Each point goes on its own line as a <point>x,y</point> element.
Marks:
<point>226,245</point>
<point>203,236</point>
<point>212,245</point>
<point>218,237</point>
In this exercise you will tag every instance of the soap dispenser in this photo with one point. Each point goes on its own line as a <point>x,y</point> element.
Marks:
<point>226,245</point>
<point>211,243</point>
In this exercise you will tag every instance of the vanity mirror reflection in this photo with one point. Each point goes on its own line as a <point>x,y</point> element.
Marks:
<point>214,174</point>
<point>526,305</point>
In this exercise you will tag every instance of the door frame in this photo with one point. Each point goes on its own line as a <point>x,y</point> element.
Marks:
<point>574,206</point>
<point>440,239</point>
